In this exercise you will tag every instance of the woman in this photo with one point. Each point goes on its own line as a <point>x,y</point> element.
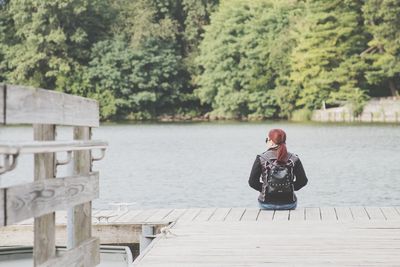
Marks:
<point>274,165</point>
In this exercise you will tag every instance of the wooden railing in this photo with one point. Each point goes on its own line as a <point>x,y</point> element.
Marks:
<point>45,110</point>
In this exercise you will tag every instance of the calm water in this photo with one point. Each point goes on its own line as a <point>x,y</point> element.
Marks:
<point>208,164</point>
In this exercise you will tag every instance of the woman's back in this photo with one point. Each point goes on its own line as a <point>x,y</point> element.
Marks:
<point>277,173</point>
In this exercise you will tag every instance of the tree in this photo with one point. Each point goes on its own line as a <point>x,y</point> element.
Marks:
<point>145,83</point>
<point>330,39</point>
<point>53,39</point>
<point>140,66</point>
<point>6,38</point>
<point>383,20</point>
<point>242,59</point>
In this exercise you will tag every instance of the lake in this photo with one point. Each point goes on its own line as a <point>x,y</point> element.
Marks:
<point>180,165</point>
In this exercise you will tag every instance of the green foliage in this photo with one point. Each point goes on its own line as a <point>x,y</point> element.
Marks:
<point>143,81</point>
<point>6,38</point>
<point>55,37</point>
<point>244,57</point>
<point>330,38</point>
<point>303,114</point>
<point>254,59</point>
<point>382,18</point>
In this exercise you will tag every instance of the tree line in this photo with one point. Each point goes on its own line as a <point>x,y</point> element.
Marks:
<point>230,59</point>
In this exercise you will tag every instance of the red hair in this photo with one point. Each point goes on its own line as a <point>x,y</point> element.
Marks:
<point>278,136</point>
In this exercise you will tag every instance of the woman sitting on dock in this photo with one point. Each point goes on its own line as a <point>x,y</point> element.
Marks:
<point>277,173</point>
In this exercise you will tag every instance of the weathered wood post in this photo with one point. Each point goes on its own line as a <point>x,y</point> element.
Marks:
<point>44,226</point>
<point>40,199</point>
<point>82,214</point>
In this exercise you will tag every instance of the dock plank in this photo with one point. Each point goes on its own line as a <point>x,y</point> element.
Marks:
<point>297,243</point>
<point>144,215</point>
<point>359,213</point>
<point>205,214</point>
<point>344,214</point>
<point>390,213</point>
<point>159,215</point>
<point>328,214</point>
<point>189,215</point>
<point>375,213</point>
<point>265,215</point>
<point>312,214</point>
<point>235,214</point>
<point>297,214</point>
<point>250,214</point>
<point>127,216</point>
<point>118,214</point>
<point>281,215</point>
<point>220,214</point>
<point>175,215</point>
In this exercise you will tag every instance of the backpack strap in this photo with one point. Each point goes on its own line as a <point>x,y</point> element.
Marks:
<point>267,161</point>
<point>290,161</point>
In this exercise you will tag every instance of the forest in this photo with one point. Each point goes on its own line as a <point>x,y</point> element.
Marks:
<point>205,59</point>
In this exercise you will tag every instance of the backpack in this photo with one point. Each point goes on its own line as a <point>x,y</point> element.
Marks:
<point>279,177</point>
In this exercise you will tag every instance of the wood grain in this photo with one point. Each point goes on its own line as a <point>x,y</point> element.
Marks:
<point>39,106</point>
<point>375,213</point>
<point>2,211</point>
<point>85,255</point>
<point>281,215</point>
<point>235,214</point>
<point>313,214</point>
<point>220,214</point>
<point>343,214</point>
<point>82,214</point>
<point>44,226</point>
<point>159,215</point>
<point>205,214</point>
<point>328,213</point>
<point>390,213</point>
<point>359,213</point>
<point>41,197</point>
<point>189,215</point>
<point>283,243</point>
<point>175,215</point>
<point>265,215</point>
<point>250,214</point>
<point>297,214</point>
<point>2,103</point>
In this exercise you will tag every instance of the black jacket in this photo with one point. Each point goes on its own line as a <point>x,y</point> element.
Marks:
<point>256,183</point>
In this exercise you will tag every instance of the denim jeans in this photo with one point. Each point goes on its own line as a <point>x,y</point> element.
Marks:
<point>268,206</point>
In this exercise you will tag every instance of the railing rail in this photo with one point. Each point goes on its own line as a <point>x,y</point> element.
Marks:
<point>45,110</point>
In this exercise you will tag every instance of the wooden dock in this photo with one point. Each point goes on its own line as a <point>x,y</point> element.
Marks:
<point>326,236</point>
<point>331,236</point>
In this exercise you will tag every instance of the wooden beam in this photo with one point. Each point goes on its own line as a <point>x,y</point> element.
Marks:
<point>44,226</point>
<point>41,197</point>
<point>2,210</point>
<point>39,106</point>
<point>82,214</point>
<point>85,254</point>
<point>2,103</point>
<point>109,233</point>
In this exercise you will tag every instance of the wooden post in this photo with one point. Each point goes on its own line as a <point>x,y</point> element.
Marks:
<point>82,214</point>
<point>146,237</point>
<point>44,226</point>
